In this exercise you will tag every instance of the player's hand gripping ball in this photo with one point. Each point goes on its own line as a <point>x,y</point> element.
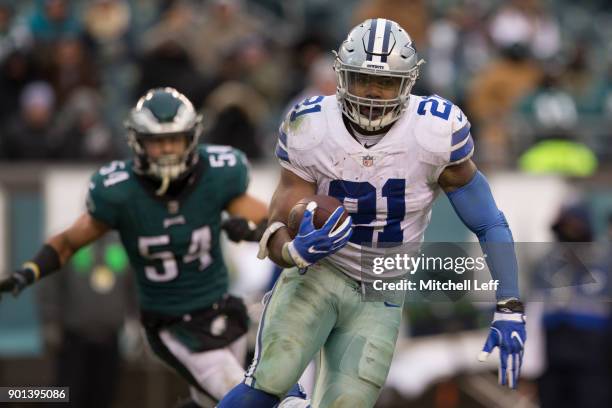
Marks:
<point>320,226</point>
<point>326,205</point>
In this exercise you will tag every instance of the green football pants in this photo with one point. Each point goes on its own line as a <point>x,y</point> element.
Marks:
<point>323,310</point>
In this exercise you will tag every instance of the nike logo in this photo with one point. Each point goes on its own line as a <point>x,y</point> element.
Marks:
<point>388,304</point>
<point>516,336</point>
<point>313,250</point>
<point>368,146</point>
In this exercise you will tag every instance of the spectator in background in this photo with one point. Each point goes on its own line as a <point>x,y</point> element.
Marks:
<point>304,52</point>
<point>551,117</point>
<point>321,80</point>
<point>225,25</point>
<point>550,109</point>
<point>111,33</point>
<point>32,134</point>
<point>16,71</point>
<point>176,20</point>
<point>526,22</point>
<point>596,110</point>
<point>106,24</point>
<point>559,155</point>
<point>492,95</point>
<point>458,46</point>
<point>13,36</point>
<point>167,63</point>
<point>236,112</point>
<point>83,130</point>
<point>577,78</point>
<point>53,19</point>
<point>576,321</point>
<point>412,15</point>
<point>260,66</point>
<point>71,68</point>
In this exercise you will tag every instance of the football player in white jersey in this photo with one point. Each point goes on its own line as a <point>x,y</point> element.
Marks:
<point>385,154</point>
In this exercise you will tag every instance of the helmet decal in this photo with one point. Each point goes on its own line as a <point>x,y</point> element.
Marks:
<point>379,40</point>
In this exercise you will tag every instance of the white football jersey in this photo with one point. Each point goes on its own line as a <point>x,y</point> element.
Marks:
<point>389,188</point>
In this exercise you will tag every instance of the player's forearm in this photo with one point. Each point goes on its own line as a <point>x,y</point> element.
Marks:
<point>290,190</point>
<point>50,258</point>
<point>60,248</point>
<point>248,207</point>
<point>475,205</point>
<point>275,247</point>
<point>45,262</point>
<point>64,247</point>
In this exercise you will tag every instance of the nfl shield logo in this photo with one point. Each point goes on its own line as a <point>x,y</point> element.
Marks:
<point>367,161</point>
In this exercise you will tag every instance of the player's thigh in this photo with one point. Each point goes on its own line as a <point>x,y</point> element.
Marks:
<point>213,372</point>
<point>355,360</point>
<point>295,323</point>
<point>216,371</point>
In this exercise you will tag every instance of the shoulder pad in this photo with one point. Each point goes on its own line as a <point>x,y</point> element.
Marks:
<point>439,121</point>
<point>222,156</point>
<point>109,191</point>
<point>112,179</point>
<point>113,173</point>
<point>443,130</point>
<point>305,124</point>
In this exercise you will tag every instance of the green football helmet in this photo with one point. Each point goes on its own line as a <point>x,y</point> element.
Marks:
<point>162,113</point>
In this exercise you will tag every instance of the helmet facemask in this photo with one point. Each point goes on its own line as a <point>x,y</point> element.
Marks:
<point>367,112</point>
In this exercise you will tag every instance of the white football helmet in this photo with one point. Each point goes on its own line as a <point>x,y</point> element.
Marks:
<point>377,51</point>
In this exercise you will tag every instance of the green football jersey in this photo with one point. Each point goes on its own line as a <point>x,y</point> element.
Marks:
<point>173,244</point>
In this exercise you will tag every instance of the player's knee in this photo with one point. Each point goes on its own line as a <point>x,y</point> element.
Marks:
<point>356,381</point>
<point>348,392</point>
<point>281,365</point>
<point>219,373</point>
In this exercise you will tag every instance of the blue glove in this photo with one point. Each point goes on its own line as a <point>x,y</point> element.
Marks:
<point>508,333</point>
<point>311,244</point>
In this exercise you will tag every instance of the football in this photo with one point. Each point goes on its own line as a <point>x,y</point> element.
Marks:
<point>326,205</point>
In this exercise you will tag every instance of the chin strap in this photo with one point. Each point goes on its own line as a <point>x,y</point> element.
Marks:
<point>164,186</point>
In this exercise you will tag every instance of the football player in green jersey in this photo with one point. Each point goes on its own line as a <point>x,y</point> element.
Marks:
<point>166,203</point>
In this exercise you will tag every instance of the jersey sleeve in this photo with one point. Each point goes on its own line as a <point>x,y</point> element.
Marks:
<point>234,168</point>
<point>239,182</point>
<point>445,140</point>
<point>100,203</point>
<point>298,135</point>
<point>462,144</point>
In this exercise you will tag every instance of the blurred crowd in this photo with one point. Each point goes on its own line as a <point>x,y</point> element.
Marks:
<point>525,71</point>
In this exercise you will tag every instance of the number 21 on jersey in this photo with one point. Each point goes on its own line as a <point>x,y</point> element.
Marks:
<point>364,194</point>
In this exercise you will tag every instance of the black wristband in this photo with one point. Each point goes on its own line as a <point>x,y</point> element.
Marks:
<point>510,306</point>
<point>46,261</point>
